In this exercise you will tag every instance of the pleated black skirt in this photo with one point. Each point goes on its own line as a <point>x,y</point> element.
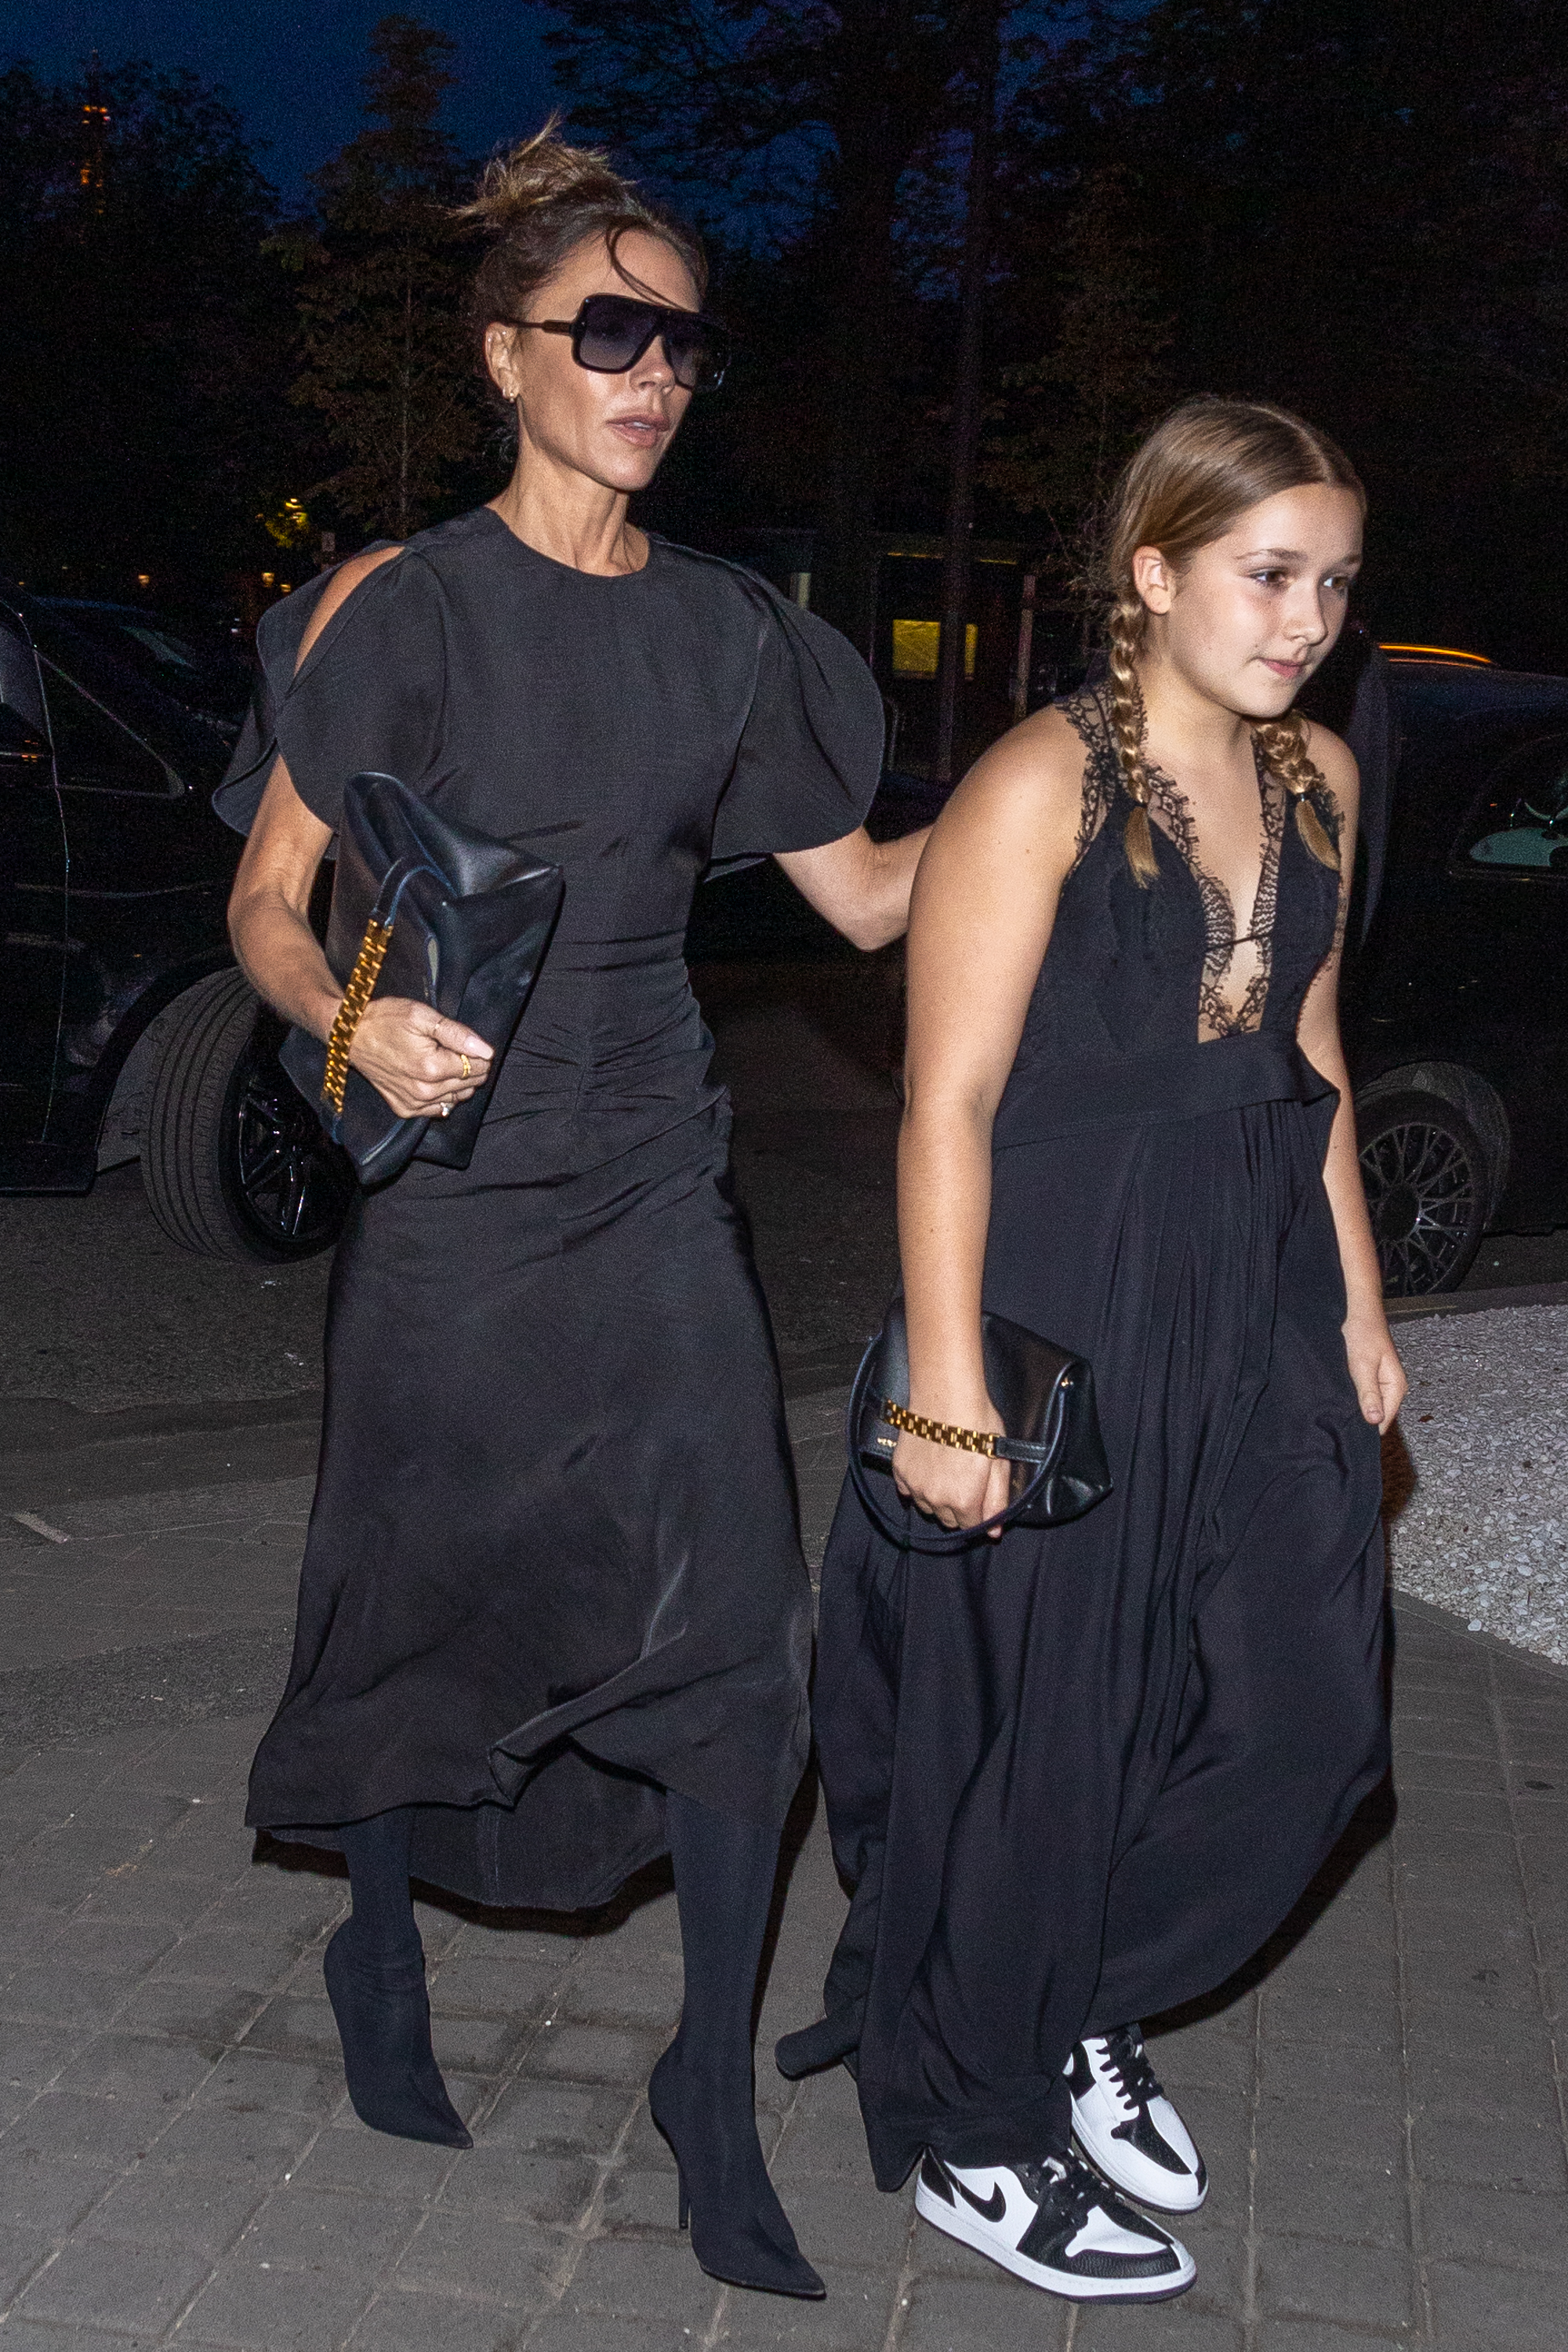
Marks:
<point>554,1566</point>
<point>1080,1775</point>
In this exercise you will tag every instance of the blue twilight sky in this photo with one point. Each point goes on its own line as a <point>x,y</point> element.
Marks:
<point>292,67</point>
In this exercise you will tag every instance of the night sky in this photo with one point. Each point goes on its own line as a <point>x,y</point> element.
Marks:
<point>292,67</point>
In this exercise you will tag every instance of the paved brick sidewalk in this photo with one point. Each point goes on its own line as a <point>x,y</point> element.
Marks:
<point>1382,2109</point>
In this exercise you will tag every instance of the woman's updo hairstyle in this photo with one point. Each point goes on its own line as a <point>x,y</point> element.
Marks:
<point>1200,469</point>
<point>541,201</point>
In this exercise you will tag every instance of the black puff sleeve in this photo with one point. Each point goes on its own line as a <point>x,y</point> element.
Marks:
<point>370,694</point>
<point>810,754</point>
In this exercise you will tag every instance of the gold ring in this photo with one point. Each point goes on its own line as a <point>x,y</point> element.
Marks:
<point>466,1073</point>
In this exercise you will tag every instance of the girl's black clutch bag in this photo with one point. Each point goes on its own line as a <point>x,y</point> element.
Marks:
<point>1046,1398</point>
<point>427,908</point>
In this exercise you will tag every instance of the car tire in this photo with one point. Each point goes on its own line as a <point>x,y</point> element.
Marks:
<point>1428,1182</point>
<point>234,1163</point>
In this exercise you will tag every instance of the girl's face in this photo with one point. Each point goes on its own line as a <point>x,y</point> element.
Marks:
<point>613,428</point>
<point>1252,614</point>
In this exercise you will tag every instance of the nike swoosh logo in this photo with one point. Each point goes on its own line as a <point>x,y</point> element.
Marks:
<point>990,2209</point>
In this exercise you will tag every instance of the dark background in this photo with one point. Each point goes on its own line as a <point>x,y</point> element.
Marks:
<point>1355,211</point>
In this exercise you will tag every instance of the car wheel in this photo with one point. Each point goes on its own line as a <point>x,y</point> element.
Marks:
<point>234,1162</point>
<point>1427,1186</point>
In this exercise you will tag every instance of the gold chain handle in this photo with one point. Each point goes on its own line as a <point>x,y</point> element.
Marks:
<point>940,1433</point>
<point>351,1011</point>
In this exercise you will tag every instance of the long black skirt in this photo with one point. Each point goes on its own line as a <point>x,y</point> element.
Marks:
<point>554,1565</point>
<point>1080,1775</point>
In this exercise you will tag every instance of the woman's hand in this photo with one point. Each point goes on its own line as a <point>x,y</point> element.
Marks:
<point>414,1057</point>
<point>950,1486</point>
<point>1376,1368</point>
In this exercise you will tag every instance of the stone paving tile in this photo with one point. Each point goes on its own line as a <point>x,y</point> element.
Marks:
<point>99,2285</point>
<point>1385,2144</point>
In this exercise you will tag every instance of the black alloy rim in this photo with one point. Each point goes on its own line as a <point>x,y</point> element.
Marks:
<point>1424,1197</point>
<point>294,1184</point>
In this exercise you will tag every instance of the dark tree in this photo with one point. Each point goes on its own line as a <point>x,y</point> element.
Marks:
<point>1356,211</point>
<point>811,134</point>
<point>381,295</point>
<point>142,422</point>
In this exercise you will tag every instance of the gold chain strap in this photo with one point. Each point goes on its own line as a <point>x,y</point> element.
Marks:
<point>940,1433</point>
<point>351,1011</point>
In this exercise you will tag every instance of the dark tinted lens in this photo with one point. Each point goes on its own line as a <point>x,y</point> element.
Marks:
<point>615,332</point>
<point>697,355</point>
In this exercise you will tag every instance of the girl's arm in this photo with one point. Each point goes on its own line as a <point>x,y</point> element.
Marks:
<point>984,903</point>
<point>1374,1364</point>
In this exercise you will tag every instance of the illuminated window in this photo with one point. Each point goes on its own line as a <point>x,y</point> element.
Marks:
<point>917,645</point>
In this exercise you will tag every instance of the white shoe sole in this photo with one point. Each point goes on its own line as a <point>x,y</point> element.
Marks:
<point>1113,2164</point>
<point>971,2230</point>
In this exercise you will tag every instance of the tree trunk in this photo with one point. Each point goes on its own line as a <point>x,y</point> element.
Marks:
<point>966,398</point>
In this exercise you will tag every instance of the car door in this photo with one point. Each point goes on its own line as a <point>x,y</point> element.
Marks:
<point>1508,889</point>
<point>34,878</point>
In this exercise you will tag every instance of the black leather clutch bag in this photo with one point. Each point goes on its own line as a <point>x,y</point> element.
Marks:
<point>1046,1398</point>
<point>427,908</point>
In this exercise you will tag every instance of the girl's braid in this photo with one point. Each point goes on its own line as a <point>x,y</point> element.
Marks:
<point>1283,742</point>
<point>1126,634</point>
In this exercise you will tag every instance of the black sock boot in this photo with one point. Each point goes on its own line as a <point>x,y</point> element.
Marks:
<point>375,1968</point>
<point>702,2094</point>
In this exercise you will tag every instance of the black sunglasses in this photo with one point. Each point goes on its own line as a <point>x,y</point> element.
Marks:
<point>611,333</point>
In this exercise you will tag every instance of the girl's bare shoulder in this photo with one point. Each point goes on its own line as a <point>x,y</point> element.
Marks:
<point>1336,763</point>
<point>1029,782</point>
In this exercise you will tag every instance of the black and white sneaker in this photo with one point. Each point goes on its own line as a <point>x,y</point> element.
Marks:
<point>1056,2225</point>
<point>1128,2127</point>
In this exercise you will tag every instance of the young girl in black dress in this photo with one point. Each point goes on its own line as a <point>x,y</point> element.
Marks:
<point>554,1616</point>
<point>1079,1775</point>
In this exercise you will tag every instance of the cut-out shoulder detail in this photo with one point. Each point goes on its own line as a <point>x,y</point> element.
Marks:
<point>339,589</point>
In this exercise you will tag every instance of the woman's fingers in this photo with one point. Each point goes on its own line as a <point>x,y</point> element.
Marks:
<point>417,1058</point>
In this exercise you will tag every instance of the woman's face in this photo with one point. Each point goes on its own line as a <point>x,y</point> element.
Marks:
<point>613,428</point>
<point>1252,614</point>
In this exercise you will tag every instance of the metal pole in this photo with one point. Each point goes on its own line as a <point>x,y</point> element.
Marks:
<point>966,396</point>
<point>1025,651</point>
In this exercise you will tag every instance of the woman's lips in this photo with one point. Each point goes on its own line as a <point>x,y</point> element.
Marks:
<point>1284,669</point>
<point>641,431</point>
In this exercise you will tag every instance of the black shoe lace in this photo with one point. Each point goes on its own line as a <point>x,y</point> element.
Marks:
<point>1131,2060</point>
<point>1068,2186</point>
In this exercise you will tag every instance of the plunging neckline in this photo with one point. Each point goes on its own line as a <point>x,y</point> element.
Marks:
<point>1170,806</point>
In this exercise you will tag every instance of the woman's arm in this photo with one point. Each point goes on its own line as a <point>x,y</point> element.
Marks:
<point>860,886</point>
<point>1374,1364</point>
<point>985,901</point>
<point>408,1052</point>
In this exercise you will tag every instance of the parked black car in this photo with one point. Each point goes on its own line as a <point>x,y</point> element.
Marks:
<point>129,1032</point>
<point>1456,1005</point>
<point>131,1035</point>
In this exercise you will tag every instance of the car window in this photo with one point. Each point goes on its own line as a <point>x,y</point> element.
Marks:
<point>94,751</point>
<point>1521,821</point>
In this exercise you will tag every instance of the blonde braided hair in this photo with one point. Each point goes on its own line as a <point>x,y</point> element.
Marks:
<point>1196,475</point>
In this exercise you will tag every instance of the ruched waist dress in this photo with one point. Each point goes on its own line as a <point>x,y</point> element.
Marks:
<point>1080,1775</point>
<point>553,1566</point>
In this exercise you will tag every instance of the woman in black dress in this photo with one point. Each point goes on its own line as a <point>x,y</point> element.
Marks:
<point>554,1618</point>
<point>1078,1776</point>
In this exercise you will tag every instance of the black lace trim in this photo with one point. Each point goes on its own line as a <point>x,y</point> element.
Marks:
<point>1087,713</point>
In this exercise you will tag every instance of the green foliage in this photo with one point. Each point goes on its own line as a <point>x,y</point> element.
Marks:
<point>381,292</point>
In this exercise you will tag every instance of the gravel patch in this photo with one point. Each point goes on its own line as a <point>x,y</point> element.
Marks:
<point>1478,1491</point>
